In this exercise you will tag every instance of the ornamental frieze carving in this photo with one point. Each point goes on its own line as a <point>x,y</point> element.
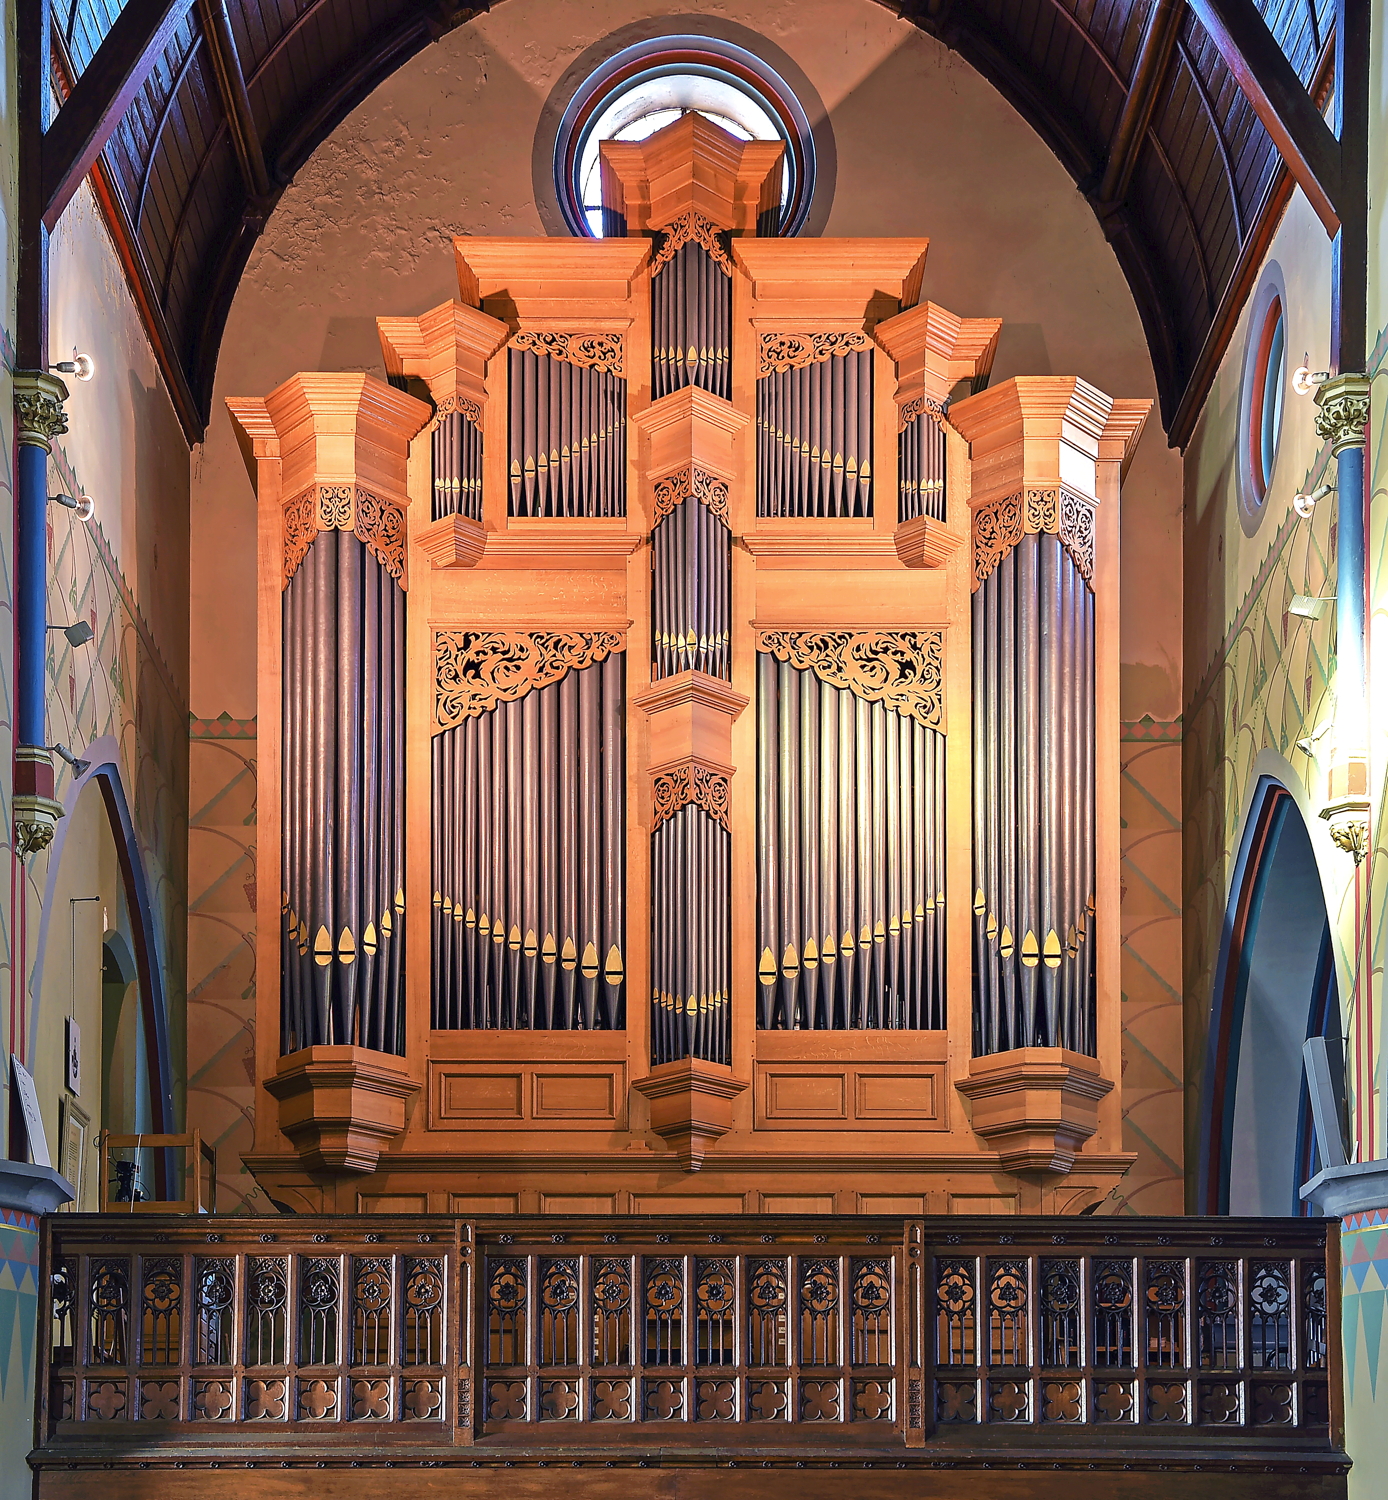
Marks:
<point>474,670</point>
<point>921,406</point>
<point>469,410</point>
<point>602,352</point>
<point>692,228</point>
<point>793,351</point>
<point>686,785</point>
<point>676,488</point>
<point>998,527</point>
<point>376,522</point>
<point>901,669</point>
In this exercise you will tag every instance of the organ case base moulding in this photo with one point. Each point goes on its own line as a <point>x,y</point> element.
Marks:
<point>814,1121</point>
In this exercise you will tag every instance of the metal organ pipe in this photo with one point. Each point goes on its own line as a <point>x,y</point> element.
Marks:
<point>920,465</point>
<point>851,859</point>
<point>457,455</point>
<point>815,435</point>
<point>342,938</point>
<point>529,869</point>
<point>567,437</point>
<point>1034,830</point>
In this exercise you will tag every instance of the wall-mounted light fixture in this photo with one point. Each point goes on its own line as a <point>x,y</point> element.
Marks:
<point>78,633</point>
<point>84,505</point>
<point>80,366</point>
<point>1304,505</point>
<point>1305,380</point>
<point>1309,606</point>
<point>1307,744</point>
<point>79,766</point>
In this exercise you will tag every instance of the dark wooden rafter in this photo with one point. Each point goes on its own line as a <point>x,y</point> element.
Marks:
<point>115,211</point>
<point>1149,73</point>
<point>99,98</point>
<point>1279,99</point>
<point>1253,250</point>
<point>236,101</point>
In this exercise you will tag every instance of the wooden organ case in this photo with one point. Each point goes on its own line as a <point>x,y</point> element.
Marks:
<point>688,703</point>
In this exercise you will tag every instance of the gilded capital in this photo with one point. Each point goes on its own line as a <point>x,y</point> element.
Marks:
<point>38,407</point>
<point>1344,411</point>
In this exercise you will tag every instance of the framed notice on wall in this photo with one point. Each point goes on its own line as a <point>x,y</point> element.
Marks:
<point>74,1129</point>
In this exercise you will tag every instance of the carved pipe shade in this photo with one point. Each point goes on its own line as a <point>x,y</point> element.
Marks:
<point>342,932</point>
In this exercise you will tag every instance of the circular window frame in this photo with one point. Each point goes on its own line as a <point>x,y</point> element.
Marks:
<point>708,56</point>
<point>1254,479</point>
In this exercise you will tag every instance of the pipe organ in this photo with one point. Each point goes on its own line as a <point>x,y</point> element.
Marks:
<point>689,717</point>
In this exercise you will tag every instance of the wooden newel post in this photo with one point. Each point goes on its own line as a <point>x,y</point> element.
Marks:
<point>1047,456</point>
<point>331,455</point>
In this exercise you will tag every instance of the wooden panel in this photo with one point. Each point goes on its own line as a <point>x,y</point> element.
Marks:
<point>797,1203</point>
<point>577,1203</point>
<point>574,1095</point>
<point>687,1203</point>
<point>392,1203</point>
<point>896,1096</point>
<point>834,1095</point>
<point>483,1203</point>
<point>468,1095</point>
<point>891,1203</point>
<point>526,1095</point>
<point>805,1096</point>
<point>969,1203</point>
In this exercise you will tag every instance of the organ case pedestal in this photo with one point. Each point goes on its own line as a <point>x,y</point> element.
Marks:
<point>687,693</point>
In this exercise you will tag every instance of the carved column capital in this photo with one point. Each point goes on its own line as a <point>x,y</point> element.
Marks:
<point>1343,411</point>
<point>38,407</point>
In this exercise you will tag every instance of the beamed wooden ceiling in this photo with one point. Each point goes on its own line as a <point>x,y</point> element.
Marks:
<point>1132,96</point>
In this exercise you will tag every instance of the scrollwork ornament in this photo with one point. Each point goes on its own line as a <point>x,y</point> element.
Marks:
<point>1343,411</point>
<point>470,411</point>
<point>901,669</point>
<point>793,351</point>
<point>690,784</point>
<point>692,228</point>
<point>998,528</point>
<point>377,522</point>
<point>674,489</point>
<point>602,352</point>
<point>381,526</point>
<point>300,528</point>
<point>474,670</point>
<point>921,406</point>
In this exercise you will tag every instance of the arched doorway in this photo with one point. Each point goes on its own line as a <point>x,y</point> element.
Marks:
<point>1275,987</point>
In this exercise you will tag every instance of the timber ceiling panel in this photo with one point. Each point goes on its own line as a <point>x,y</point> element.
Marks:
<point>180,174</point>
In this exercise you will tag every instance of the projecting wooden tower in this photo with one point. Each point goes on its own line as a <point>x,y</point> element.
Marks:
<point>689,736</point>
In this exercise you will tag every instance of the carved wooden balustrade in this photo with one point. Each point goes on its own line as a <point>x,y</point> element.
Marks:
<point>1137,1343</point>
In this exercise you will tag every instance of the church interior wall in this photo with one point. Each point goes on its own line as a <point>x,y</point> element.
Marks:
<point>447,145</point>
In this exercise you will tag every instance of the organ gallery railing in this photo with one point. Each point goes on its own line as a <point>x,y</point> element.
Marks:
<point>875,1336</point>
